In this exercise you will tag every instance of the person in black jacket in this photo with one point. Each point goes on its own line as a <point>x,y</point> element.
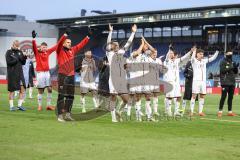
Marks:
<point>31,77</point>
<point>188,74</point>
<point>15,59</point>
<point>228,71</point>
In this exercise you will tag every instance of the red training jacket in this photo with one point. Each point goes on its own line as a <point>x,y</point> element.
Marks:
<point>66,57</point>
<point>42,57</point>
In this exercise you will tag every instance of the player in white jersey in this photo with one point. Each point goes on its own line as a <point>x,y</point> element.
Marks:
<point>117,78</point>
<point>156,69</point>
<point>143,87</point>
<point>199,79</point>
<point>87,83</point>
<point>172,76</point>
<point>133,72</point>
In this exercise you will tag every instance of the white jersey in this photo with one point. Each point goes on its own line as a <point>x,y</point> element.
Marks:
<point>199,67</point>
<point>116,70</point>
<point>130,61</point>
<point>172,74</point>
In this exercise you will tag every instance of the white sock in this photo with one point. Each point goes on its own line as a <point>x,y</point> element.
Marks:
<point>83,102</point>
<point>20,101</point>
<point>148,109</point>
<point>176,106</point>
<point>39,99</point>
<point>11,103</point>
<point>184,104</point>
<point>16,93</point>
<point>30,91</point>
<point>95,101</point>
<point>168,105</point>
<point>155,104</point>
<point>113,113</point>
<point>24,96</point>
<point>201,103</point>
<point>49,99</point>
<point>138,108</point>
<point>129,107</point>
<point>192,105</point>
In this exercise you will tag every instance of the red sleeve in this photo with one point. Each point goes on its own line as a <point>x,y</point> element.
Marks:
<point>34,46</point>
<point>60,43</point>
<point>52,49</point>
<point>80,45</point>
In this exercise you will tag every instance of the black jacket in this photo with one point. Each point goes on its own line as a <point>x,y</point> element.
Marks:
<point>228,71</point>
<point>15,59</point>
<point>188,74</point>
<point>103,85</point>
<point>31,72</point>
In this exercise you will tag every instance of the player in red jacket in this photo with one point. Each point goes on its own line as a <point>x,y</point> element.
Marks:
<point>66,71</point>
<point>42,68</point>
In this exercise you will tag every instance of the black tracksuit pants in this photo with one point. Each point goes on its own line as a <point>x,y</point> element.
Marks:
<point>227,90</point>
<point>66,89</point>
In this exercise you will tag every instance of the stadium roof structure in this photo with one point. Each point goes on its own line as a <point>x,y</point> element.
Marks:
<point>209,15</point>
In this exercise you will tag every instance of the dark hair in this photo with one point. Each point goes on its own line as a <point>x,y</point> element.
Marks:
<point>200,50</point>
<point>174,52</point>
<point>43,44</point>
<point>229,50</point>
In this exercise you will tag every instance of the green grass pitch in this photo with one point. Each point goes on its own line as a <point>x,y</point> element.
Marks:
<point>34,135</point>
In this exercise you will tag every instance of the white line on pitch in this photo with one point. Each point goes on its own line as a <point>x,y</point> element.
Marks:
<point>211,119</point>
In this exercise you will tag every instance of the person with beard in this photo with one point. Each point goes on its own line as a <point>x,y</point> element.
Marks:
<point>15,59</point>
<point>66,71</point>
<point>228,71</point>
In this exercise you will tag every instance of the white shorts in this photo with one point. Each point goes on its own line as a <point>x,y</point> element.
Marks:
<point>87,87</point>
<point>43,79</point>
<point>141,89</point>
<point>199,87</point>
<point>175,92</point>
<point>122,87</point>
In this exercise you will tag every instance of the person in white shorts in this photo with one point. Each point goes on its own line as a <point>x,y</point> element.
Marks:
<point>133,72</point>
<point>156,68</point>
<point>117,78</point>
<point>143,88</point>
<point>199,79</point>
<point>172,63</point>
<point>42,71</point>
<point>87,83</point>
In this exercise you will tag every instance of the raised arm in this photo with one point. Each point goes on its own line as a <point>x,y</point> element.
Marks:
<point>213,57</point>
<point>80,45</point>
<point>186,56</point>
<point>52,49</point>
<point>130,39</point>
<point>149,46</point>
<point>60,43</point>
<point>139,50</point>
<point>34,44</point>
<point>194,54</point>
<point>169,49</point>
<point>109,39</point>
